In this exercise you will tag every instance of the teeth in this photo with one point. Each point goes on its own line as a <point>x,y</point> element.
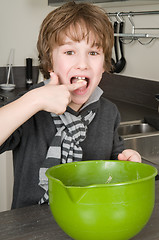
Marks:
<point>80,78</point>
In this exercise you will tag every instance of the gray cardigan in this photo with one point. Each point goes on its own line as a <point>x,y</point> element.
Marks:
<point>30,143</point>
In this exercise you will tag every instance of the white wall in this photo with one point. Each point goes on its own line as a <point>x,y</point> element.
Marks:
<point>142,60</point>
<point>20,21</point>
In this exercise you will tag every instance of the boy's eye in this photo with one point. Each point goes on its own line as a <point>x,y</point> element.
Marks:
<point>69,52</point>
<point>93,53</point>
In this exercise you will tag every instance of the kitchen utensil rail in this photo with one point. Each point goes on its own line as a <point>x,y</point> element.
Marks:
<point>133,13</point>
<point>119,16</point>
<point>135,35</point>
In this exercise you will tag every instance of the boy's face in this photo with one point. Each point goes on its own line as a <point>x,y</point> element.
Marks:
<point>73,61</point>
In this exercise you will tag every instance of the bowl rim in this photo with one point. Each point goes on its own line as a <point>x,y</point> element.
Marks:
<point>103,184</point>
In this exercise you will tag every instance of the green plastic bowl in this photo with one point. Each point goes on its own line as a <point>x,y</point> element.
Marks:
<point>102,200</point>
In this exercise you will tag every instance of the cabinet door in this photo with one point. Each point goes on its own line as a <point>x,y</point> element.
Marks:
<point>6,180</point>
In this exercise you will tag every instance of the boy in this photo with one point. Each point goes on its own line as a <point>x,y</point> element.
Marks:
<point>63,119</point>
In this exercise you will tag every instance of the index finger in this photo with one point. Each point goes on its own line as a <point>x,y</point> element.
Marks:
<point>72,87</point>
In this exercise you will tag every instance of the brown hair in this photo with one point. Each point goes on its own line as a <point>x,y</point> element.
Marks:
<point>68,20</point>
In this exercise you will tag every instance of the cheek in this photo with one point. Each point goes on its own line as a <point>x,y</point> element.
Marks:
<point>99,74</point>
<point>100,69</point>
<point>61,65</point>
<point>62,72</point>
<point>99,65</point>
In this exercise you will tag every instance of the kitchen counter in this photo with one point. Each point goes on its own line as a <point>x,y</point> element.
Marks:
<point>7,96</point>
<point>36,222</point>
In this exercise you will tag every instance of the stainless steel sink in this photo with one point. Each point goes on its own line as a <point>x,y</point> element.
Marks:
<point>147,146</point>
<point>143,138</point>
<point>135,128</point>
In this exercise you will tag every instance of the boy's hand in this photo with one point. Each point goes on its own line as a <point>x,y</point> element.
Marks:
<point>129,155</point>
<point>51,97</point>
<point>71,87</point>
<point>55,97</point>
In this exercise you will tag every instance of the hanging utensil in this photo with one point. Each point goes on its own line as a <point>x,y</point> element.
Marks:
<point>115,48</point>
<point>122,61</point>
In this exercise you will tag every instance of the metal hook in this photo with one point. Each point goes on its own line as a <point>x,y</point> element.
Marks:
<point>146,42</point>
<point>110,19</point>
<point>119,17</point>
<point>126,41</point>
<point>132,22</point>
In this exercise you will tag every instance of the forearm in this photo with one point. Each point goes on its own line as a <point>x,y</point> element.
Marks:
<point>51,98</point>
<point>16,113</point>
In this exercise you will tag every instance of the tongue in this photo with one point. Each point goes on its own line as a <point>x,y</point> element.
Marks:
<point>75,80</point>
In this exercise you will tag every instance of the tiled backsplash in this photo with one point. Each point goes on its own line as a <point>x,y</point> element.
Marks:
<point>132,90</point>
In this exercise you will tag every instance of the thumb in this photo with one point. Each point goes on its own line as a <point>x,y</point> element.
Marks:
<point>54,80</point>
<point>122,157</point>
<point>74,86</point>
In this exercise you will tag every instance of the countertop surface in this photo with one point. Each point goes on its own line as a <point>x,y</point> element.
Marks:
<point>7,96</point>
<point>37,222</point>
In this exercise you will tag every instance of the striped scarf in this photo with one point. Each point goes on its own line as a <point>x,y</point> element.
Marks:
<point>71,130</point>
<point>65,146</point>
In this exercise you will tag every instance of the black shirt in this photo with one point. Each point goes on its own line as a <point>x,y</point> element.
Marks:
<point>31,141</point>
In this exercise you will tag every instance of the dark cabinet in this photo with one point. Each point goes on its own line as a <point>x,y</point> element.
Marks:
<point>58,3</point>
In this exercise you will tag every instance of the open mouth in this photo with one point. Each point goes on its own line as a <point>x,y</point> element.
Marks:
<point>77,79</point>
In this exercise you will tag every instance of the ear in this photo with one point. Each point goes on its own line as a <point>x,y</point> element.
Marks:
<point>103,69</point>
<point>50,70</point>
<point>104,66</point>
<point>50,67</point>
<point>54,79</point>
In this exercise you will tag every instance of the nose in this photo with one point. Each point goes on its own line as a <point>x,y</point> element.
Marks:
<point>82,62</point>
